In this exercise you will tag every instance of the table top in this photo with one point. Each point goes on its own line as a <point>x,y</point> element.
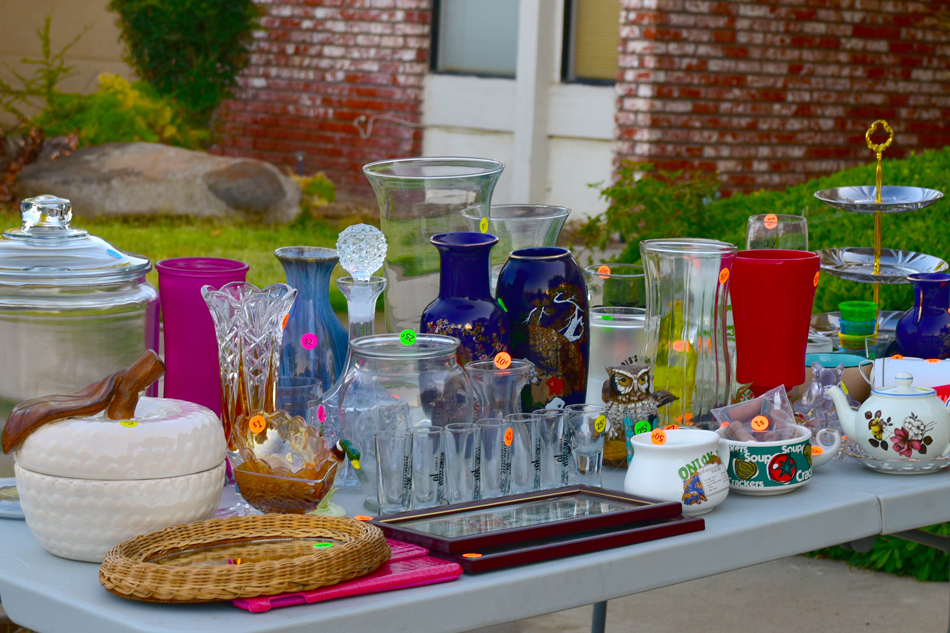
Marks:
<point>843,502</point>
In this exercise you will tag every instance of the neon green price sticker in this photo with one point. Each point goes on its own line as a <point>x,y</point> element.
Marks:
<point>606,317</point>
<point>483,225</point>
<point>503,306</point>
<point>643,426</point>
<point>407,337</point>
<point>600,423</point>
<point>322,545</point>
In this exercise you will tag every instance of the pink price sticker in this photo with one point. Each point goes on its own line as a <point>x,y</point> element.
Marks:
<point>308,341</point>
<point>321,414</point>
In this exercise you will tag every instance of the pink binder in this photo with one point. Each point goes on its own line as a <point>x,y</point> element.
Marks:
<point>409,566</point>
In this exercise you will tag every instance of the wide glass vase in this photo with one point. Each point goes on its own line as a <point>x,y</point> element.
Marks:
<point>519,226</point>
<point>419,198</point>
<point>393,383</point>
<point>687,287</point>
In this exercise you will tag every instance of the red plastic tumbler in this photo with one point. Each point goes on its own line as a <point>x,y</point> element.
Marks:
<point>191,347</point>
<point>772,296</point>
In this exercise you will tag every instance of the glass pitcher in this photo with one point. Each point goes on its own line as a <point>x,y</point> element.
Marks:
<point>393,383</point>
<point>687,284</point>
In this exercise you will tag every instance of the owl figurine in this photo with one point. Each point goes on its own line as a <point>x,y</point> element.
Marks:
<point>631,387</point>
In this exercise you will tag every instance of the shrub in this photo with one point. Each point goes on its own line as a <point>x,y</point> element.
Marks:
<point>650,207</point>
<point>191,50</point>
<point>118,112</point>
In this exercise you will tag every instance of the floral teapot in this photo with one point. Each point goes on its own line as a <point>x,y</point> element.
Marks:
<point>901,422</point>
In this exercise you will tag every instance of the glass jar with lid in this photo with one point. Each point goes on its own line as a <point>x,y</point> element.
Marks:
<point>394,382</point>
<point>73,308</point>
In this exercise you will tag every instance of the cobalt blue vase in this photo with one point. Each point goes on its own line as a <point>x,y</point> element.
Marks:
<point>465,308</point>
<point>924,330</point>
<point>545,294</point>
<point>315,343</point>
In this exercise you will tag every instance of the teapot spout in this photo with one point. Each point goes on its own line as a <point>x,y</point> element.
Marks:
<point>846,415</point>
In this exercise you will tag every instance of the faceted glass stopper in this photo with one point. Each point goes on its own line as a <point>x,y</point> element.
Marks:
<point>362,249</point>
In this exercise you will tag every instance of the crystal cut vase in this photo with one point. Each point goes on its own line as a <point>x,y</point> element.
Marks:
<point>248,323</point>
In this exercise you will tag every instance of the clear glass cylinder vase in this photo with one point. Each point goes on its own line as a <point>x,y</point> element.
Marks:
<point>394,384</point>
<point>419,198</point>
<point>687,287</point>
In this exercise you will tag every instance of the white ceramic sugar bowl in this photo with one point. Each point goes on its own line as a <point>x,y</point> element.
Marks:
<point>87,484</point>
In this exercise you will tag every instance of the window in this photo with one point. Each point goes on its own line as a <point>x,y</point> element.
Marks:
<point>478,37</point>
<point>591,40</point>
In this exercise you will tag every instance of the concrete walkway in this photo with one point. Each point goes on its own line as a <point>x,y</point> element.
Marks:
<point>798,593</point>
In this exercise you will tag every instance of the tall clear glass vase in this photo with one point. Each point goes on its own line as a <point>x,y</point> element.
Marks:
<point>687,286</point>
<point>419,198</point>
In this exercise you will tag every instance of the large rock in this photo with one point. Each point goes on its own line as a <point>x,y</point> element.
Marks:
<point>151,179</point>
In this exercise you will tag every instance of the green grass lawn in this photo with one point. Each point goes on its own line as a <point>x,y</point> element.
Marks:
<point>163,237</point>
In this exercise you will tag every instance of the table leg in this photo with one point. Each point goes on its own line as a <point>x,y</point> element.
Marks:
<point>599,620</point>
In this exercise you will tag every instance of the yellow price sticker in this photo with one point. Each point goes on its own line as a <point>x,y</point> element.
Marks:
<point>483,225</point>
<point>129,423</point>
<point>600,424</point>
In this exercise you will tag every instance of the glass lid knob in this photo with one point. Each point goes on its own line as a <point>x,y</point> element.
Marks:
<point>46,211</point>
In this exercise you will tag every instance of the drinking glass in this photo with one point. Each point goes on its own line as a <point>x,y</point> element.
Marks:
<point>498,391</point>
<point>616,285</point>
<point>428,467</point>
<point>300,396</point>
<point>588,426</point>
<point>769,231</point>
<point>554,452</point>
<point>463,462</point>
<point>525,453</point>
<point>496,457</point>
<point>876,347</point>
<point>394,471</point>
<point>616,338</point>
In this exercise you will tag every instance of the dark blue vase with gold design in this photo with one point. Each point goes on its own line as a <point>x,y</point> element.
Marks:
<point>924,330</point>
<point>465,308</point>
<point>545,294</point>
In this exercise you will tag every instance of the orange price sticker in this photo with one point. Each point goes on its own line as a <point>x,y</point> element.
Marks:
<point>604,270</point>
<point>363,517</point>
<point>723,275</point>
<point>816,451</point>
<point>502,360</point>
<point>257,424</point>
<point>658,436</point>
<point>933,361</point>
<point>671,427</point>
<point>771,221</point>
<point>817,275</point>
<point>283,324</point>
<point>897,356</point>
<point>471,555</point>
<point>509,436</point>
<point>760,423</point>
<point>680,346</point>
<point>723,425</point>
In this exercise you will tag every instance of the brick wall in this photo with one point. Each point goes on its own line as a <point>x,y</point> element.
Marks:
<point>773,92</point>
<point>316,67</point>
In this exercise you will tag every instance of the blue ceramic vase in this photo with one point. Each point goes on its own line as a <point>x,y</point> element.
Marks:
<point>314,344</point>
<point>465,307</point>
<point>924,330</point>
<point>544,291</point>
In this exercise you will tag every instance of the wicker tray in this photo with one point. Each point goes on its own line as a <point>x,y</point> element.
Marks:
<point>191,563</point>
